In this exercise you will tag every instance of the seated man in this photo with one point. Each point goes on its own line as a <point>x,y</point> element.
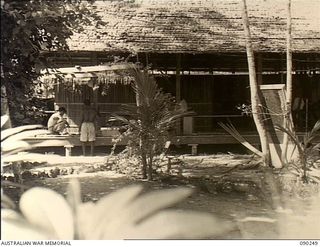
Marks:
<point>57,123</point>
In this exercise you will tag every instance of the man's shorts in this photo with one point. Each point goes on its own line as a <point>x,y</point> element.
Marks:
<point>88,132</point>
<point>58,128</point>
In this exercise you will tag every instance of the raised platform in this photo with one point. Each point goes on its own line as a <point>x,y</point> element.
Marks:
<point>62,140</point>
<point>70,141</point>
<point>214,138</point>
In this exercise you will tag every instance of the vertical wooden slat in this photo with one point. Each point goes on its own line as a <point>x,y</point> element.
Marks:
<point>178,89</point>
<point>259,69</point>
<point>178,78</point>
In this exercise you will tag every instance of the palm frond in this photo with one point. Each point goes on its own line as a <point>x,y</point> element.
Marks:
<point>26,157</point>
<point>145,86</point>
<point>292,135</point>
<point>15,140</point>
<point>170,224</point>
<point>235,134</point>
<point>13,131</point>
<point>25,134</point>
<point>312,134</point>
<point>4,120</point>
<point>7,147</point>
<point>115,117</point>
<point>6,202</point>
<point>53,217</point>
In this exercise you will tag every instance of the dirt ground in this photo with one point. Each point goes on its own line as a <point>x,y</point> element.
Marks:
<point>221,187</point>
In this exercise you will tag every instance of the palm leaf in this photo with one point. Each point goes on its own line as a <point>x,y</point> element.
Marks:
<point>171,224</point>
<point>4,120</point>
<point>106,211</point>
<point>150,203</point>
<point>313,133</point>
<point>293,137</point>
<point>143,217</point>
<point>13,131</point>
<point>26,134</point>
<point>27,157</point>
<point>17,229</point>
<point>232,131</point>
<point>54,217</point>
<point>6,202</point>
<point>9,147</point>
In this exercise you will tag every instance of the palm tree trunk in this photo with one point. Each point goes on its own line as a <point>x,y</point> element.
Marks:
<point>254,89</point>
<point>144,160</point>
<point>288,123</point>
<point>142,145</point>
<point>150,171</point>
<point>144,166</point>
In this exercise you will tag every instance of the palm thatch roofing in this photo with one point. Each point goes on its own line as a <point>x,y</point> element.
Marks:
<point>89,75</point>
<point>199,26</point>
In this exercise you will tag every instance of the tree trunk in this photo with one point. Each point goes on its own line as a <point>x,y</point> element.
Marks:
<point>288,123</point>
<point>144,164</point>
<point>150,171</point>
<point>144,159</point>
<point>5,107</point>
<point>142,146</point>
<point>254,89</point>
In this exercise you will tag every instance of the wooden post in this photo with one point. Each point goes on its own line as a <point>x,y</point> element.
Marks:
<point>259,69</point>
<point>178,90</point>
<point>94,58</point>
<point>95,91</point>
<point>68,149</point>
<point>178,78</point>
<point>147,60</point>
<point>194,149</point>
<point>281,69</point>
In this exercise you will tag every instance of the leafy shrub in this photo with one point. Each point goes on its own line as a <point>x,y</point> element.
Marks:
<point>124,214</point>
<point>150,121</point>
<point>309,154</point>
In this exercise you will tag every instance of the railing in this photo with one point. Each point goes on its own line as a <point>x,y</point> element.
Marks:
<point>210,123</point>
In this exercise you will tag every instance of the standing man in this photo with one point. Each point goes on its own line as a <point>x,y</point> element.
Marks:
<point>57,123</point>
<point>87,127</point>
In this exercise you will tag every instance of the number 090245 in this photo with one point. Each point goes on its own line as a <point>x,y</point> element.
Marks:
<point>309,242</point>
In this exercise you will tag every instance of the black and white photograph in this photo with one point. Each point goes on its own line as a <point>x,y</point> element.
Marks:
<point>160,120</point>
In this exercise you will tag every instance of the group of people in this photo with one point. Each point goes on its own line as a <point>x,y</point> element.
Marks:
<point>58,124</point>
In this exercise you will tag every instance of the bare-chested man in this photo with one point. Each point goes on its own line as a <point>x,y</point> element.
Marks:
<point>87,127</point>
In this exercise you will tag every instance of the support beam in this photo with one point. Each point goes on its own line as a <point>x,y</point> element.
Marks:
<point>259,69</point>
<point>178,89</point>
<point>68,149</point>
<point>194,149</point>
<point>178,78</point>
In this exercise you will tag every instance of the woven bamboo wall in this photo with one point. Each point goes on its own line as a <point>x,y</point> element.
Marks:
<point>105,101</point>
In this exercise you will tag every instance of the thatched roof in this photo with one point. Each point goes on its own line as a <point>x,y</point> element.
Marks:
<point>199,26</point>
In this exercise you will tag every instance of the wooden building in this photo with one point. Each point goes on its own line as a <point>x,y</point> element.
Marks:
<point>196,50</point>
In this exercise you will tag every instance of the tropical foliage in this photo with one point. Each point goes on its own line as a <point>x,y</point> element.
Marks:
<point>14,144</point>
<point>28,29</point>
<point>150,121</point>
<point>308,153</point>
<point>124,214</point>
<point>13,151</point>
